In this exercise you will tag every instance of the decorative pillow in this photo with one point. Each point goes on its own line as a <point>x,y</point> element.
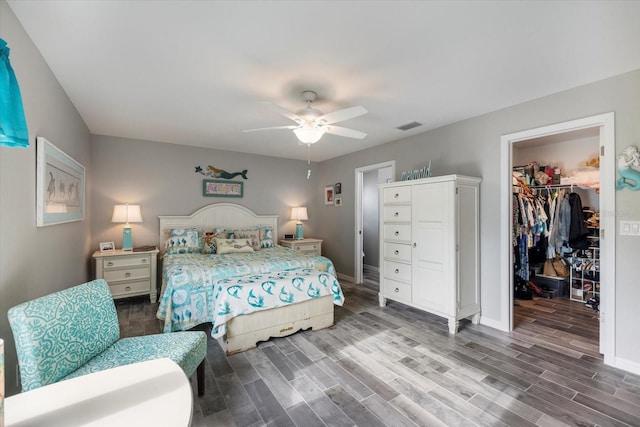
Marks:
<point>266,236</point>
<point>209,240</point>
<point>230,246</point>
<point>182,241</point>
<point>254,235</point>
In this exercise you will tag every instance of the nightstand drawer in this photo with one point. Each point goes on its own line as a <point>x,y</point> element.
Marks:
<point>127,274</point>
<point>306,247</point>
<point>123,289</point>
<point>128,261</point>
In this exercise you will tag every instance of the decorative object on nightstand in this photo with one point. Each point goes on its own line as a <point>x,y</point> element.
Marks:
<point>126,213</point>
<point>304,245</point>
<point>299,214</point>
<point>129,273</point>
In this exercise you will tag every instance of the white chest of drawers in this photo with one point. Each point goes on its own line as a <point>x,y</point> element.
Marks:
<point>128,273</point>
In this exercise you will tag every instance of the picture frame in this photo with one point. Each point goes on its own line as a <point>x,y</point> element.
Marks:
<point>107,246</point>
<point>222,188</point>
<point>338,201</point>
<point>328,195</point>
<point>60,181</point>
<point>338,188</point>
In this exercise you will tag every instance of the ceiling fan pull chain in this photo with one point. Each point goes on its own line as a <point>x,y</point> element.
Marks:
<point>309,160</point>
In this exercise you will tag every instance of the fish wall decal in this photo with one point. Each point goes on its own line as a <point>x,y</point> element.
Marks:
<point>220,173</point>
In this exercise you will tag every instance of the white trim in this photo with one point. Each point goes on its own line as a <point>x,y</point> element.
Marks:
<point>606,123</point>
<point>627,365</point>
<point>358,261</point>
<point>345,277</point>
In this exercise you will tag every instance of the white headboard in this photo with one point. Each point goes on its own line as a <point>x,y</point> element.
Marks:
<point>222,215</point>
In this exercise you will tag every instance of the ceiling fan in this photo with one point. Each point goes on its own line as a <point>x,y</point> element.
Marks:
<point>312,123</point>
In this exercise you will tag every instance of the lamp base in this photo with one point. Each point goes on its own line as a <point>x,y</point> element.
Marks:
<point>299,235</point>
<point>127,239</point>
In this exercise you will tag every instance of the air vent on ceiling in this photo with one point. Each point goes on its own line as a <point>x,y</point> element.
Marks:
<point>409,125</point>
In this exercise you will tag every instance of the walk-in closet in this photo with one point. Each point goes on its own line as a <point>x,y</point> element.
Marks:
<point>555,239</point>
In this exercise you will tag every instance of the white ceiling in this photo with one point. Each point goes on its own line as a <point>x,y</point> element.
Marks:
<point>194,72</point>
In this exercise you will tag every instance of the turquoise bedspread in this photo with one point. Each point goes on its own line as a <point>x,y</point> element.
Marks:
<point>190,282</point>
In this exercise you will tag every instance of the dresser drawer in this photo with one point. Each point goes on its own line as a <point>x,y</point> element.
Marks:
<point>396,195</point>
<point>397,290</point>
<point>397,232</point>
<point>127,274</point>
<point>125,261</point>
<point>397,271</point>
<point>307,247</point>
<point>397,251</point>
<point>397,214</point>
<point>130,288</point>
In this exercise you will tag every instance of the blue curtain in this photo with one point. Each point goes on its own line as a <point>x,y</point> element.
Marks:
<point>13,126</point>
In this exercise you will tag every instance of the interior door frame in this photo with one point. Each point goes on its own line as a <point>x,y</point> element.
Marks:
<point>606,124</point>
<point>359,173</point>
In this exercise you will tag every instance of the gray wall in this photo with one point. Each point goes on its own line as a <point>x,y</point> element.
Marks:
<point>162,179</point>
<point>36,261</point>
<point>472,147</point>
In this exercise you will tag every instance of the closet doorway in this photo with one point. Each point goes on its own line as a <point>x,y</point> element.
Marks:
<point>600,127</point>
<point>367,251</point>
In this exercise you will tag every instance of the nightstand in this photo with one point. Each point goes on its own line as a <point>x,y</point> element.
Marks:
<point>128,273</point>
<point>304,245</point>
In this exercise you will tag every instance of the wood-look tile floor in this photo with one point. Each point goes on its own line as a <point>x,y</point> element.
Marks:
<point>397,366</point>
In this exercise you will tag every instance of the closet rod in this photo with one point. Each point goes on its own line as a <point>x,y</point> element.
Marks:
<point>550,186</point>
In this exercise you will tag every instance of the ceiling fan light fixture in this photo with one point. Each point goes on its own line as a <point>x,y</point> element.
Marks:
<point>309,134</point>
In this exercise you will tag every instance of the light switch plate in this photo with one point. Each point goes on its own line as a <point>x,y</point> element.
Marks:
<point>630,228</point>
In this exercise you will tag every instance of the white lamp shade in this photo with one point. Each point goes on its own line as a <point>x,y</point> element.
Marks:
<point>126,213</point>
<point>299,214</point>
<point>309,134</point>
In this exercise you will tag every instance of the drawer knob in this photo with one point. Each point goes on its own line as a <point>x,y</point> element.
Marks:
<point>143,260</point>
<point>397,271</point>
<point>397,233</point>
<point>127,274</point>
<point>415,244</point>
<point>109,264</point>
<point>396,214</point>
<point>397,290</point>
<point>127,288</point>
<point>396,252</point>
<point>395,196</point>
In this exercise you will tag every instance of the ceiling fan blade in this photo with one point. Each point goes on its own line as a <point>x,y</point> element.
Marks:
<point>349,133</point>
<point>272,128</point>
<point>283,111</point>
<point>344,114</point>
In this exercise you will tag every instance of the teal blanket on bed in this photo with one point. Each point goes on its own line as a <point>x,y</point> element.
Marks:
<point>194,285</point>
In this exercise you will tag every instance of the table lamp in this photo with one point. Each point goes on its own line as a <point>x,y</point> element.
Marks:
<point>299,214</point>
<point>126,213</point>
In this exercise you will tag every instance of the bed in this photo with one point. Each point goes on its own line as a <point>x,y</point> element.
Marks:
<point>247,296</point>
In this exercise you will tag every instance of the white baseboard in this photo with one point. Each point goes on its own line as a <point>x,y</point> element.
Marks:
<point>492,324</point>
<point>347,278</point>
<point>627,365</point>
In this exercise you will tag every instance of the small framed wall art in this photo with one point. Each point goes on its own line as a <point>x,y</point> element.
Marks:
<point>328,195</point>
<point>220,188</point>
<point>338,201</point>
